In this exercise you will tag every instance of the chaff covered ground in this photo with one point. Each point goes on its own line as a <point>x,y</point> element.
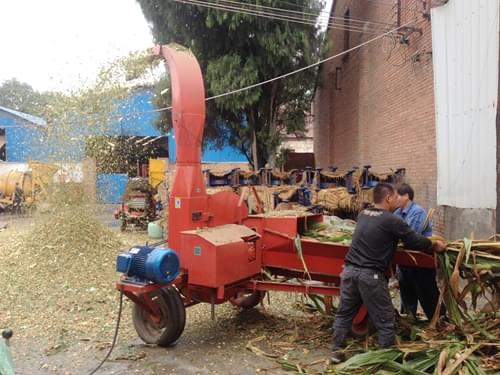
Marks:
<point>57,272</point>
<point>57,276</point>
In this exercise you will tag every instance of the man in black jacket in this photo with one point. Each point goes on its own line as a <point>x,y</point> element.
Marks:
<point>363,279</point>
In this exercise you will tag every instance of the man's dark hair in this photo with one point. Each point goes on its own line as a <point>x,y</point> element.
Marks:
<point>382,190</point>
<point>406,189</point>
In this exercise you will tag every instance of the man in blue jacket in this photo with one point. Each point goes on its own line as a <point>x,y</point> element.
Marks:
<point>416,284</point>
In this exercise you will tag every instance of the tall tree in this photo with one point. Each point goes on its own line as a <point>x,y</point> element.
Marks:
<point>236,50</point>
<point>20,96</point>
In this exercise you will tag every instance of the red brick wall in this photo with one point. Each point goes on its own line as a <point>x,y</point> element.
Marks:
<point>383,114</point>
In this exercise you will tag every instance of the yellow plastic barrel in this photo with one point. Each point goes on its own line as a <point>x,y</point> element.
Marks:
<point>8,182</point>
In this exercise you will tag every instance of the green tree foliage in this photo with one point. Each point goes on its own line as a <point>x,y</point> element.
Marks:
<point>20,96</point>
<point>236,50</point>
<point>85,115</point>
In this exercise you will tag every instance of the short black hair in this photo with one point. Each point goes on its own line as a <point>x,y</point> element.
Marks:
<point>382,190</point>
<point>406,189</point>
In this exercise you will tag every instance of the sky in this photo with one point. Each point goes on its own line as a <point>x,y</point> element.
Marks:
<point>61,44</point>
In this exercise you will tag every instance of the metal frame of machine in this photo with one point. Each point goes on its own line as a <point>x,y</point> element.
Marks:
<point>221,248</point>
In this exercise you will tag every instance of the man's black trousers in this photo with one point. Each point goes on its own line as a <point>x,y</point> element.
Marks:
<point>418,285</point>
<point>358,286</point>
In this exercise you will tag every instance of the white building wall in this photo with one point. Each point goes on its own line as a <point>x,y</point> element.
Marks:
<point>465,38</point>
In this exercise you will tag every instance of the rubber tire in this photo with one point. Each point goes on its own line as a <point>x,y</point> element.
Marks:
<point>171,325</point>
<point>248,301</point>
<point>172,297</point>
<point>363,329</point>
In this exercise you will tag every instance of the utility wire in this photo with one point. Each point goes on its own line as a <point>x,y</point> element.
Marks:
<point>296,71</point>
<point>296,12</point>
<point>281,17</point>
<point>284,17</point>
<point>162,109</point>
<point>388,2</point>
<point>301,69</point>
<point>275,78</point>
<point>263,14</point>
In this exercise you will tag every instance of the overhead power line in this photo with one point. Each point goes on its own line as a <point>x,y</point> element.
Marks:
<point>380,36</point>
<point>299,13</point>
<point>389,3</point>
<point>287,74</point>
<point>228,6</point>
<point>258,13</point>
<point>310,19</point>
<point>130,114</point>
<point>312,65</point>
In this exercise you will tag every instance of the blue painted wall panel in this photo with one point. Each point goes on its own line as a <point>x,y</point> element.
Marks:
<point>26,143</point>
<point>133,123</point>
<point>210,154</point>
<point>110,187</point>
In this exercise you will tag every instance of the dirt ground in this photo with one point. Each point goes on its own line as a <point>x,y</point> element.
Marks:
<point>236,342</point>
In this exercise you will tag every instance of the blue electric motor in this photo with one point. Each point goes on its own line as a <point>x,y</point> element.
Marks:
<point>144,264</point>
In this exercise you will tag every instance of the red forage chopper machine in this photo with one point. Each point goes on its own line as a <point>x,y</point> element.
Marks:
<point>216,250</point>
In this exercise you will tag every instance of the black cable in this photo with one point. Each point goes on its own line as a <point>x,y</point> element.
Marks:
<point>115,336</point>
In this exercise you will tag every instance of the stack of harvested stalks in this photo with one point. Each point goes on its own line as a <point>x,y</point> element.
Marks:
<point>266,195</point>
<point>336,198</point>
<point>470,342</point>
<point>478,264</point>
<point>216,189</point>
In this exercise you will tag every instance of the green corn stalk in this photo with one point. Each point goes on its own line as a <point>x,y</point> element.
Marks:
<point>369,359</point>
<point>298,250</point>
<point>319,303</point>
<point>451,304</point>
<point>468,248</point>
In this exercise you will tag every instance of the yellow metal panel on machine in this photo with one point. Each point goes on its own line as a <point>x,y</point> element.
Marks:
<point>157,171</point>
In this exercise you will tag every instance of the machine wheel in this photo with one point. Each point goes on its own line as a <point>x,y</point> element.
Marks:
<point>363,329</point>
<point>362,324</point>
<point>247,300</point>
<point>166,330</point>
<point>172,296</point>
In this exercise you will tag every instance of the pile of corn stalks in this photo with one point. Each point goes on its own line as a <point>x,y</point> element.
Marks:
<point>470,342</point>
<point>447,358</point>
<point>337,198</point>
<point>265,195</point>
<point>478,263</point>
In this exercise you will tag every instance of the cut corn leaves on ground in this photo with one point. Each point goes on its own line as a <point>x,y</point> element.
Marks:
<point>444,359</point>
<point>470,343</point>
<point>470,288</point>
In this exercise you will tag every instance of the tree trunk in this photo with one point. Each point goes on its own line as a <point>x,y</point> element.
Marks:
<point>272,124</point>
<point>254,142</point>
